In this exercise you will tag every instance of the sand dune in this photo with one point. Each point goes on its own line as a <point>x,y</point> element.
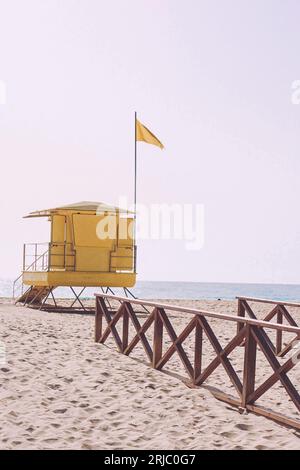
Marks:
<point>60,390</point>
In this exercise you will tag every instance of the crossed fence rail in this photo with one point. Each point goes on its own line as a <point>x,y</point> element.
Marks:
<point>251,333</point>
<point>246,306</point>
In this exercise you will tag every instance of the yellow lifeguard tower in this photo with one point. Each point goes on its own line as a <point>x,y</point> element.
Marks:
<point>91,245</point>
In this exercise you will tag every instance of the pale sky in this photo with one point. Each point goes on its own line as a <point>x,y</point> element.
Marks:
<point>211,78</point>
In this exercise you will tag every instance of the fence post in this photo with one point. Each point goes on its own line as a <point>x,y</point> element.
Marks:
<point>125,331</point>
<point>241,313</point>
<point>198,349</point>
<point>249,365</point>
<point>98,320</point>
<point>157,338</point>
<point>279,332</point>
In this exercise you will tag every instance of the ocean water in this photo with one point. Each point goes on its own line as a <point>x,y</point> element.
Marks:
<point>188,290</point>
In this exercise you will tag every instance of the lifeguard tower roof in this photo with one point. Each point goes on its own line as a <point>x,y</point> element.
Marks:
<point>84,206</point>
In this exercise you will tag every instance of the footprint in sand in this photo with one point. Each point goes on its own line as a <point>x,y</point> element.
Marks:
<point>54,386</point>
<point>30,429</point>
<point>261,447</point>
<point>244,427</point>
<point>95,421</point>
<point>228,434</point>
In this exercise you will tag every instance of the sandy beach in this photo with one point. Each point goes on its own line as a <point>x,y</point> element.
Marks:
<point>60,390</point>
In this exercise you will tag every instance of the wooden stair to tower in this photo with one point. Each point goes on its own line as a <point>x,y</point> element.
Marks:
<point>35,295</point>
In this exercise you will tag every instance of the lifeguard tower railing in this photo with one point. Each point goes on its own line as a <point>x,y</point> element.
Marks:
<point>46,257</point>
<point>39,256</point>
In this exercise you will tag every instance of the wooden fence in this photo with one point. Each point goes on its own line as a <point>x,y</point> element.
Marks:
<point>280,311</point>
<point>251,333</point>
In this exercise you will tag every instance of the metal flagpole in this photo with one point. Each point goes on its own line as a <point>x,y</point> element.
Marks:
<point>135,162</point>
<point>135,190</point>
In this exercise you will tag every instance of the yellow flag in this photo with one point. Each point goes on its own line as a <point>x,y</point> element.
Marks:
<point>143,134</point>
